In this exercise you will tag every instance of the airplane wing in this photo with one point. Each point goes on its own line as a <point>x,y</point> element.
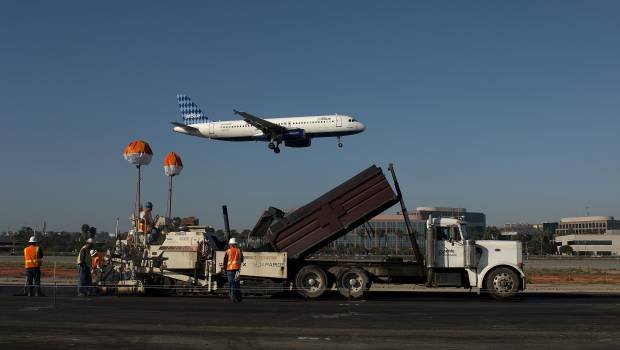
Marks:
<point>267,127</point>
<point>185,127</point>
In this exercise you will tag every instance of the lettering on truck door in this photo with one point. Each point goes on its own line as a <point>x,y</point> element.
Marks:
<point>450,251</point>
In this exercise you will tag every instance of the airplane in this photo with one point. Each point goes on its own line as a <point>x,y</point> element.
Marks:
<point>293,131</point>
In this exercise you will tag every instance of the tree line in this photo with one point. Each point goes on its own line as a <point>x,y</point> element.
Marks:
<point>56,242</point>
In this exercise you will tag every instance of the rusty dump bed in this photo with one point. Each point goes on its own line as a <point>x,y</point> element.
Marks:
<point>332,215</point>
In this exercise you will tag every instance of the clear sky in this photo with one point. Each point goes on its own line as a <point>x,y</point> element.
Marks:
<point>510,108</point>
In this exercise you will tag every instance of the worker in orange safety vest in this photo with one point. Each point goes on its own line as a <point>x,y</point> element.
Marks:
<point>232,263</point>
<point>96,261</point>
<point>33,259</point>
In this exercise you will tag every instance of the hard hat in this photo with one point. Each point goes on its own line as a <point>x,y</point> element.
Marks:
<point>232,241</point>
<point>93,252</point>
<point>32,239</point>
<point>90,240</point>
<point>149,205</point>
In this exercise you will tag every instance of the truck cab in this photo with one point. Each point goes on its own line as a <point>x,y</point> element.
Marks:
<point>454,260</point>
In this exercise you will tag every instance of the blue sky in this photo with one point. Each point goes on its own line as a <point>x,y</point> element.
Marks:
<point>510,108</point>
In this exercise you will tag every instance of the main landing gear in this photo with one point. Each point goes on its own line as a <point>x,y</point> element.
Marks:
<point>275,147</point>
<point>339,142</point>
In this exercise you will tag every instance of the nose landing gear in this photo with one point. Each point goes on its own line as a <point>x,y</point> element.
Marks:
<point>339,142</point>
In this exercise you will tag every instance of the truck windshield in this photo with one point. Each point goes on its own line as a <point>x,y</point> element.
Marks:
<point>464,232</point>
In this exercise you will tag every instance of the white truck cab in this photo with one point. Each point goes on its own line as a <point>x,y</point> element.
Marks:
<point>452,259</point>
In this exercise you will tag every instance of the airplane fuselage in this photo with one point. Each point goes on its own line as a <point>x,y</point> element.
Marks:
<point>239,130</point>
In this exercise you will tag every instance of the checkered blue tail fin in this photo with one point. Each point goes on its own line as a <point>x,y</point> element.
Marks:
<point>190,112</point>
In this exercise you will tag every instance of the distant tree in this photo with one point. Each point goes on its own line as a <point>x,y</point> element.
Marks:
<point>541,243</point>
<point>566,250</point>
<point>220,234</point>
<point>491,232</point>
<point>92,232</point>
<point>85,230</point>
<point>245,234</point>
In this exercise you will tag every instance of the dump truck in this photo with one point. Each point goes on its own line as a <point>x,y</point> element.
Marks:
<point>191,259</point>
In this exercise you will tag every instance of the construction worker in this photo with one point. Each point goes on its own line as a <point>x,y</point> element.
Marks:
<point>33,259</point>
<point>96,264</point>
<point>147,223</point>
<point>146,218</point>
<point>84,266</point>
<point>232,262</point>
<point>95,258</point>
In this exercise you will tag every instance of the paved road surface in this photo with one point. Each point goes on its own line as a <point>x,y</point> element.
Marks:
<point>386,321</point>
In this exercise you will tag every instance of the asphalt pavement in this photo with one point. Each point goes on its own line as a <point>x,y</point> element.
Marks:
<point>385,320</point>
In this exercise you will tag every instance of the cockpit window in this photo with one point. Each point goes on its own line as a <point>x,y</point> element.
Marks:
<point>353,119</point>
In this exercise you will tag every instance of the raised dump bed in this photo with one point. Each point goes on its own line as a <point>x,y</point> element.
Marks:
<point>329,217</point>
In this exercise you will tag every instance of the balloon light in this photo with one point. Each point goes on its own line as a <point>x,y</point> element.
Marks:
<point>173,164</point>
<point>138,153</point>
<point>172,167</point>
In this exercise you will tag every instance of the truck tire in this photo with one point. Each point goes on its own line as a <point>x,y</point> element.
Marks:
<point>353,282</point>
<point>311,281</point>
<point>502,283</point>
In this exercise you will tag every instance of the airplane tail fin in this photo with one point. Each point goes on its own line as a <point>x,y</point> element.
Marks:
<point>190,111</point>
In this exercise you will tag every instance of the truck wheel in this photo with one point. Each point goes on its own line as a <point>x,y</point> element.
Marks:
<point>311,281</point>
<point>502,283</point>
<point>353,282</point>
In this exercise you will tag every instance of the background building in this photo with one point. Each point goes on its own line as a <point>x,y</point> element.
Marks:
<point>589,235</point>
<point>587,224</point>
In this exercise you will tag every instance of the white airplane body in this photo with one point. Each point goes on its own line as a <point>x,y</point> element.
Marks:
<point>292,131</point>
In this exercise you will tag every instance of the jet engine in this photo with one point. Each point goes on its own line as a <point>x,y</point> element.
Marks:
<point>298,143</point>
<point>294,135</point>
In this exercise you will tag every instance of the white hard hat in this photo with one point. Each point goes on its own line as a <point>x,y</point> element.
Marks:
<point>90,240</point>
<point>232,241</point>
<point>32,239</point>
<point>93,252</point>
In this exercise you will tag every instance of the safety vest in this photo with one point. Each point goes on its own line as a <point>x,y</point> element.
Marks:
<point>145,222</point>
<point>31,257</point>
<point>96,262</point>
<point>234,259</point>
<point>87,258</point>
<point>141,226</point>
